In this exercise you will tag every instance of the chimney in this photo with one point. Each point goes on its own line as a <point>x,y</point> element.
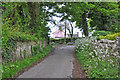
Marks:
<point>60,28</point>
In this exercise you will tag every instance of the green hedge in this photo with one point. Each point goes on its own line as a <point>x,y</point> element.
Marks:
<point>101,33</point>
<point>61,40</point>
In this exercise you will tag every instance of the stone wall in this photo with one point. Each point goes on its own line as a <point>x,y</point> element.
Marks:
<point>106,47</point>
<point>23,48</point>
<point>118,43</point>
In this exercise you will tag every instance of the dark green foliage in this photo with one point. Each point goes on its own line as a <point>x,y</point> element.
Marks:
<point>8,48</point>
<point>25,54</point>
<point>36,49</point>
<point>101,33</point>
<point>104,16</point>
<point>32,51</point>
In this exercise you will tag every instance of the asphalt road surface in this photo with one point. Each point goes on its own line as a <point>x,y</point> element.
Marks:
<point>58,65</point>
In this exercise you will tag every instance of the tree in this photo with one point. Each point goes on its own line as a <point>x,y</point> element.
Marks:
<point>70,28</point>
<point>104,15</point>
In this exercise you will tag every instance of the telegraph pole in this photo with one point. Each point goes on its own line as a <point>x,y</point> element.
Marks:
<point>65,33</point>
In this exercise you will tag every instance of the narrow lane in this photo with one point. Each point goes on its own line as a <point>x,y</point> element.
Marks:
<point>58,65</point>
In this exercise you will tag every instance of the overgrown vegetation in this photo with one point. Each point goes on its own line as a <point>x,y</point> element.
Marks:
<point>101,33</point>
<point>96,64</point>
<point>11,68</point>
<point>109,36</point>
<point>23,21</point>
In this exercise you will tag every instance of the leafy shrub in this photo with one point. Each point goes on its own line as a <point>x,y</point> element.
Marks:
<point>101,33</point>
<point>109,36</point>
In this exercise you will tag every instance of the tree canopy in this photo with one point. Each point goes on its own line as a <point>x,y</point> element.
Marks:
<point>103,15</point>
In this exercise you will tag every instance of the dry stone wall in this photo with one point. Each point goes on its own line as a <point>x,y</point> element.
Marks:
<point>23,49</point>
<point>108,47</point>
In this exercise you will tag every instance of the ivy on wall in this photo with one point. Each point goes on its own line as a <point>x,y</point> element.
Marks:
<point>21,21</point>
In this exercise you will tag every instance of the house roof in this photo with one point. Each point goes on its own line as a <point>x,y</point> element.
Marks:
<point>59,34</point>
